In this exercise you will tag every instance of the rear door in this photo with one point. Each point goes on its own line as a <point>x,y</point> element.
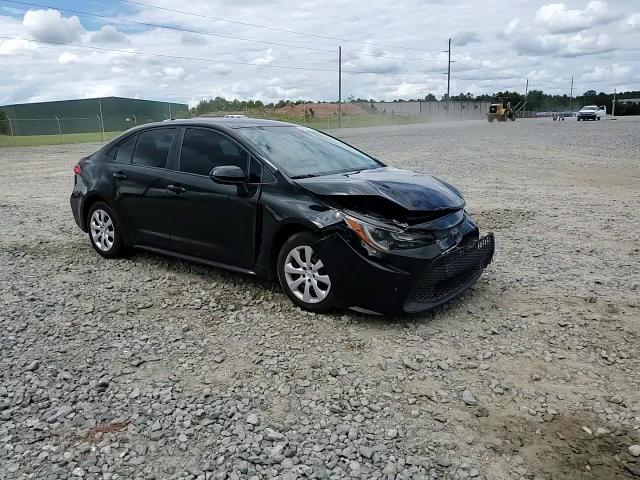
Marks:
<point>141,180</point>
<point>213,221</point>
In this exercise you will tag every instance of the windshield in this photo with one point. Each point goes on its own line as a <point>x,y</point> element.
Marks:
<point>589,108</point>
<point>304,152</point>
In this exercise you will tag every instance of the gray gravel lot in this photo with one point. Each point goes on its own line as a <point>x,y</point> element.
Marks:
<point>149,367</point>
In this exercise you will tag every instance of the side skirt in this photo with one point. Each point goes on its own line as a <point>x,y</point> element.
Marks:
<point>191,258</point>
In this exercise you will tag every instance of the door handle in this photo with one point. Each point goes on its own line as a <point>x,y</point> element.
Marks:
<point>176,189</point>
<point>119,176</point>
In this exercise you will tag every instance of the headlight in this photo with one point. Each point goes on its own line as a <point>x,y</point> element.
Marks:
<point>386,238</point>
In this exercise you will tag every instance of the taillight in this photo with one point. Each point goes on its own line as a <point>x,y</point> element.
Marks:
<point>77,169</point>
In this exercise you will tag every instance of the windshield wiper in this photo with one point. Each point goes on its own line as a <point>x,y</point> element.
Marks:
<point>308,175</point>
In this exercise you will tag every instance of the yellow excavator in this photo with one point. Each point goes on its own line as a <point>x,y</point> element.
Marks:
<point>501,111</point>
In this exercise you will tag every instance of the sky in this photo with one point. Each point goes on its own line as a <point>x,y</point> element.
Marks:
<point>288,49</point>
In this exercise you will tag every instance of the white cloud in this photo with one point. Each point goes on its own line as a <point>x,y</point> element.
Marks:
<point>109,34</point>
<point>172,73</point>
<point>51,26</point>
<point>581,44</point>
<point>192,39</point>
<point>529,41</point>
<point>15,46</point>
<point>461,39</point>
<point>267,59</point>
<point>102,90</point>
<point>409,90</point>
<point>617,72</point>
<point>220,69</point>
<point>539,49</point>
<point>557,18</point>
<point>66,58</point>
<point>372,58</point>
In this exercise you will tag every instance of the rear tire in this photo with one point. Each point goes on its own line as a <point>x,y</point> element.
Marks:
<point>105,234</point>
<point>302,274</point>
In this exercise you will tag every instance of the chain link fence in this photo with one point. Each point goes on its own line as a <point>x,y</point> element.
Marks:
<point>60,129</point>
<point>82,120</point>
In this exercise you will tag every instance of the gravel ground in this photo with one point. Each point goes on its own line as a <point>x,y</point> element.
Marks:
<point>149,367</point>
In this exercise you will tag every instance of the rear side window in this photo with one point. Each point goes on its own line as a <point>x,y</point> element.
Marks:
<point>122,152</point>
<point>202,150</point>
<point>152,148</point>
<point>125,149</point>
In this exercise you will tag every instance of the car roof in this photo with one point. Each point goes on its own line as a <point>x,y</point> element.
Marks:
<point>222,122</point>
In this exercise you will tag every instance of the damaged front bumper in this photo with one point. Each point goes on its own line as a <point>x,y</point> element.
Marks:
<point>405,282</point>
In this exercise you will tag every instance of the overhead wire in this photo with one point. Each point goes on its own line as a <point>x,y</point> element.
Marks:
<point>207,33</point>
<point>278,29</point>
<point>201,59</point>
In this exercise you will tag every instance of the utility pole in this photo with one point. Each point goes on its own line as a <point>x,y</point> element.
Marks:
<point>339,85</point>
<point>449,75</point>
<point>526,94</point>
<point>59,129</point>
<point>571,94</point>
<point>101,120</point>
<point>613,105</point>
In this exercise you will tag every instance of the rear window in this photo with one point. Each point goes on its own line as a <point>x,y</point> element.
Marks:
<point>152,148</point>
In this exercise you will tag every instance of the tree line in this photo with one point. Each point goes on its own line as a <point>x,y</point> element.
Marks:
<point>536,100</point>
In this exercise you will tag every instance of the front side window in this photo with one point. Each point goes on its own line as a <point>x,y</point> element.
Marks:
<point>304,152</point>
<point>152,148</point>
<point>203,150</point>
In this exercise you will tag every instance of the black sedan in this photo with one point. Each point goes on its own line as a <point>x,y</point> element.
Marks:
<point>335,226</point>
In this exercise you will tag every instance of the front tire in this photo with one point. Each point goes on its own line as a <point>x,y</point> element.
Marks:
<point>303,275</point>
<point>105,232</point>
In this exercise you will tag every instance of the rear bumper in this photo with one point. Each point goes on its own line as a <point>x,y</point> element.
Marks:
<point>76,201</point>
<point>404,284</point>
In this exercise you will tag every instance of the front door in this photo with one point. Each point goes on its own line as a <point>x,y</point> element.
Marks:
<point>209,220</point>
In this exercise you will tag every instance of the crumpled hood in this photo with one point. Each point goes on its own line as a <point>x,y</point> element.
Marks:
<point>412,191</point>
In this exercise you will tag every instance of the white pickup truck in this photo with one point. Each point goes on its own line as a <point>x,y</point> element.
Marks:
<point>592,112</point>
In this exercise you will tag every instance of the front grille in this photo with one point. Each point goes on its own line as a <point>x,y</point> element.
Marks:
<point>453,272</point>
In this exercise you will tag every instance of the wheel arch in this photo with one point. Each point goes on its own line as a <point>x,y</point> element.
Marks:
<point>89,201</point>
<point>284,233</point>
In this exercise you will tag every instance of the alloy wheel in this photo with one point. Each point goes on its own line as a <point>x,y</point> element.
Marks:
<point>306,275</point>
<point>102,230</point>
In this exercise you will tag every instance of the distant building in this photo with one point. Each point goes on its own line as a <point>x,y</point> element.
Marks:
<point>111,114</point>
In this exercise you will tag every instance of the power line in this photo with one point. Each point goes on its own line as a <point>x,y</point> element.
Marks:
<point>210,60</point>
<point>266,27</point>
<point>200,32</point>
<point>163,55</point>
<point>167,27</point>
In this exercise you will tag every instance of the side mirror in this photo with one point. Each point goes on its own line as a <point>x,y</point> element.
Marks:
<point>228,175</point>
